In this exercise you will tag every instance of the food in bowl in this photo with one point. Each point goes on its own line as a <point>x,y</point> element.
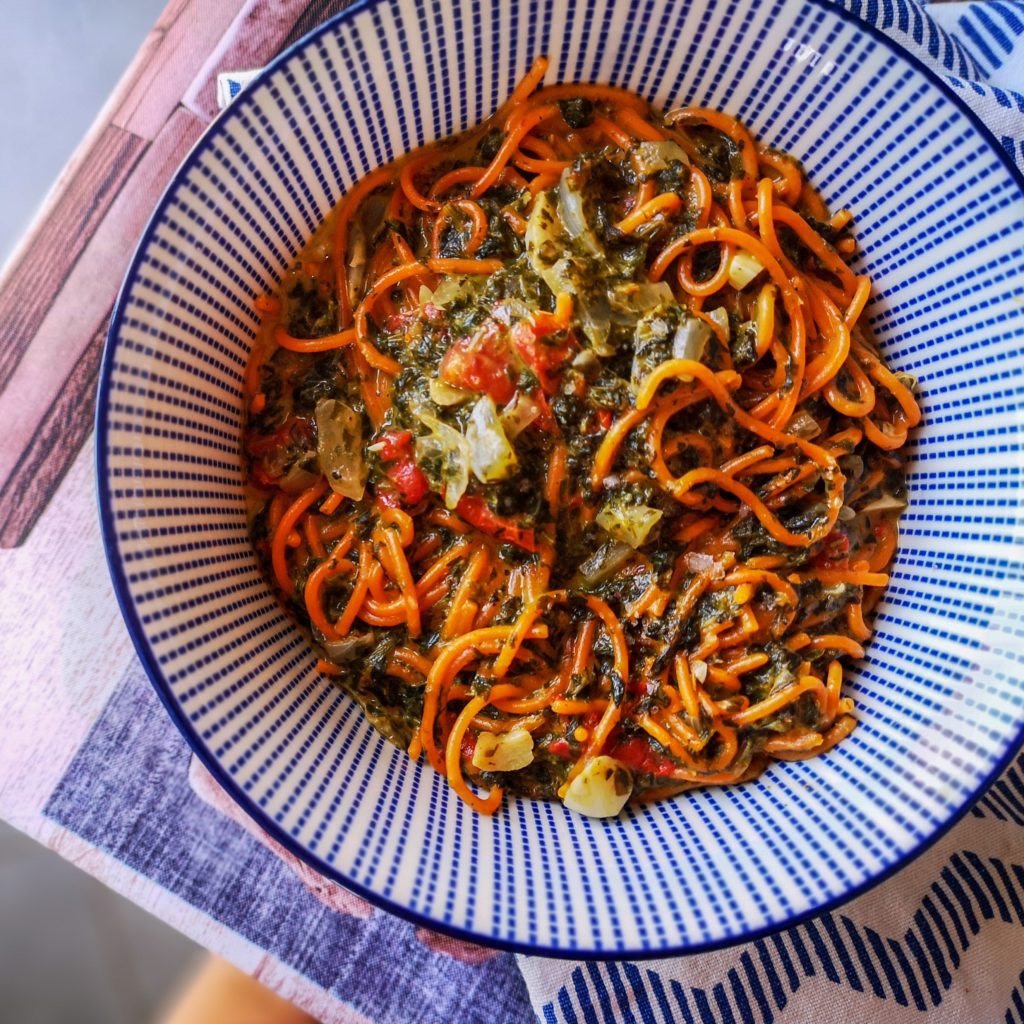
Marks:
<point>567,442</point>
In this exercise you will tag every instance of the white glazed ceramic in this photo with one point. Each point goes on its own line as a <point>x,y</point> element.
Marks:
<point>939,213</point>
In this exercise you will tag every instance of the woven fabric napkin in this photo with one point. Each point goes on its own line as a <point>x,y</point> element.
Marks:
<point>943,938</point>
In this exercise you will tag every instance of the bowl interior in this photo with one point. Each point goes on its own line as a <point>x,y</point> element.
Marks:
<point>939,215</point>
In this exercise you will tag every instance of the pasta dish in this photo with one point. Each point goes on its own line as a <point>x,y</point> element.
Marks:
<point>568,442</point>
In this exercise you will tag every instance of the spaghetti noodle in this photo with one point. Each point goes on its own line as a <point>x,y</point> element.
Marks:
<point>567,441</point>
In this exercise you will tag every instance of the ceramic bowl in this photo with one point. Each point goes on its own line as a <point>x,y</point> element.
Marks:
<point>939,213</point>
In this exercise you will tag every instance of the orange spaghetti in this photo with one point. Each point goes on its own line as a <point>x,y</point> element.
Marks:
<point>568,443</point>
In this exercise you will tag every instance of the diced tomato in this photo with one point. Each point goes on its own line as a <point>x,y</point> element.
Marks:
<point>835,548</point>
<point>636,752</point>
<point>467,747</point>
<point>272,454</point>
<point>409,480</point>
<point>561,748</point>
<point>477,512</point>
<point>295,430</point>
<point>388,498</point>
<point>481,363</point>
<point>604,417</point>
<point>546,420</point>
<point>544,359</point>
<point>394,443</point>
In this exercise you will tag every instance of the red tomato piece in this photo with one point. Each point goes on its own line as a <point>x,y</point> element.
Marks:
<point>394,443</point>
<point>637,753</point>
<point>388,498</point>
<point>409,480</point>
<point>546,420</point>
<point>545,360</point>
<point>560,748</point>
<point>477,512</point>
<point>835,548</point>
<point>481,363</point>
<point>272,453</point>
<point>294,430</point>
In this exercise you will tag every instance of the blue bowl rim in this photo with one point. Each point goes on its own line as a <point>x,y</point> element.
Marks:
<point>210,762</point>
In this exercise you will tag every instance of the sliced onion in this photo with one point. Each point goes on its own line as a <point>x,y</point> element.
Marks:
<point>357,262</point>
<point>446,448</point>
<point>691,338</point>
<point>631,300</point>
<point>586,362</point>
<point>597,322</point>
<point>608,559</point>
<point>456,287</point>
<point>803,424</point>
<point>630,524</point>
<point>364,229</point>
<point>573,216</point>
<point>297,480</point>
<point>444,394</point>
<point>545,250</point>
<point>491,457</point>
<point>511,311</point>
<point>721,317</point>
<point>886,503</point>
<point>743,268</point>
<point>348,648</point>
<point>601,789</point>
<point>339,445</point>
<point>520,412</point>
<point>651,157</point>
<point>503,751</point>
<point>447,291</point>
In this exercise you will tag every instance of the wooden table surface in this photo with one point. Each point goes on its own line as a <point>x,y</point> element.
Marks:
<point>58,289</point>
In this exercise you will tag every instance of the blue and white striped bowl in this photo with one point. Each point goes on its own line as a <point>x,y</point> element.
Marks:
<point>940,214</point>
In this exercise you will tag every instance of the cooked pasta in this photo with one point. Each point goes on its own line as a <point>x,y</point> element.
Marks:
<point>567,441</point>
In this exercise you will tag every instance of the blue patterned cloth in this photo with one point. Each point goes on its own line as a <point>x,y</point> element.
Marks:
<point>944,939</point>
